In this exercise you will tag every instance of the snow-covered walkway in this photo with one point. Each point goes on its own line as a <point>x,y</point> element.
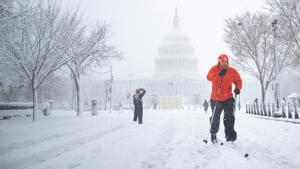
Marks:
<point>166,140</point>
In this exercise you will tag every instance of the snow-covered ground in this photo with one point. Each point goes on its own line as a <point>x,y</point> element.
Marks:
<point>166,140</point>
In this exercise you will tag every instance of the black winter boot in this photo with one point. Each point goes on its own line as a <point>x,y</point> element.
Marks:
<point>213,138</point>
<point>231,137</point>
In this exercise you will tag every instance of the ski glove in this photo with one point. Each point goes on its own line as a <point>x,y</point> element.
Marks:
<point>222,73</point>
<point>237,91</point>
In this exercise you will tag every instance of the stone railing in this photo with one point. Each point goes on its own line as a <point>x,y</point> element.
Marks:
<point>287,110</point>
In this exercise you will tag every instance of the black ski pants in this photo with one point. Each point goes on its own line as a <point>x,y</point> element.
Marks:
<point>217,108</point>
<point>138,113</point>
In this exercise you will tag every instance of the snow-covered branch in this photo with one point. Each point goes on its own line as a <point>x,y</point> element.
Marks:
<point>251,40</point>
<point>88,51</point>
<point>289,13</point>
<point>39,47</point>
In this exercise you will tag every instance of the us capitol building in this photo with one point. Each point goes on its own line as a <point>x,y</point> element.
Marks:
<point>176,80</point>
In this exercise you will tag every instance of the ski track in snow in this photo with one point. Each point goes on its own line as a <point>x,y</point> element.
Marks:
<point>178,144</point>
<point>57,150</point>
<point>163,149</point>
<point>34,142</point>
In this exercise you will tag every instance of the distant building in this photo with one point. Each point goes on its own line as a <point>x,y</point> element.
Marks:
<point>176,80</point>
<point>176,56</point>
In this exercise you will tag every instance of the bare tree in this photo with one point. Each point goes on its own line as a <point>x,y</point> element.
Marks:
<point>10,10</point>
<point>250,39</point>
<point>289,11</point>
<point>89,52</point>
<point>39,46</point>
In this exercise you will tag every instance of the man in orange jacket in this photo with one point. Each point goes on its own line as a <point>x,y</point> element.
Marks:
<point>222,77</point>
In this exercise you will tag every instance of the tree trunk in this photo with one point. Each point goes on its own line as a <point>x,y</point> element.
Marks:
<point>78,95</point>
<point>263,93</point>
<point>263,98</point>
<point>74,98</point>
<point>34,100</point>
<point>76,78</point>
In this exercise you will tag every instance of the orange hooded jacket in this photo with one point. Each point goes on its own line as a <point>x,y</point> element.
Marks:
<point>221,92</point>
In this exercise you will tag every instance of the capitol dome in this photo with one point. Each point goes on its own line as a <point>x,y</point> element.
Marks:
<point>176,36</point>
<point>176,55</point>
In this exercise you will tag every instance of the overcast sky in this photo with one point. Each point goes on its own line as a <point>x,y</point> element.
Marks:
<point>138,27</point>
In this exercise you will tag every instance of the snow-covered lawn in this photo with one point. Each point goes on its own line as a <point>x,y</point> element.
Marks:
<point>166,140</point>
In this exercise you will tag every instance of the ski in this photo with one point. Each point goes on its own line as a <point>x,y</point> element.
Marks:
<point>235,146</point>
<point>206,141</point>
<point>245,154</point>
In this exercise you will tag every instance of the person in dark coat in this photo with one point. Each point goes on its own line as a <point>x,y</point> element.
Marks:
<point>255,101</point>
<point>138,105</point>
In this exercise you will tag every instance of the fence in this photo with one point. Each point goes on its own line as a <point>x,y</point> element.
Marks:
<point>287,110</point>
<point>22,109</point>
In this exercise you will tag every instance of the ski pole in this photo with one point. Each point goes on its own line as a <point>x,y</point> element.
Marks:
<point>234,104</point>
<point>214,109</point>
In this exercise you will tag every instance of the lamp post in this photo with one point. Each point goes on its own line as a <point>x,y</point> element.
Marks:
<point>106,82</point>
<point>110,89</point>
<point>276,67</point>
